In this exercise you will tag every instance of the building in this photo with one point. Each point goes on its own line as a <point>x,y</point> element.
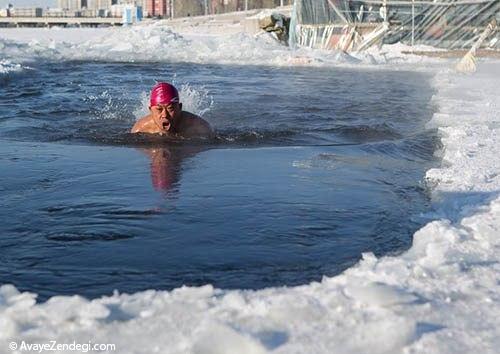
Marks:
<point>26,12</point>
<point>135,3</point>
<point>162,8</point>
<point>71,5</point>
<point>190,8</point>
<point>100,4</point>
<point>143,4</point>
<point>131,14</point>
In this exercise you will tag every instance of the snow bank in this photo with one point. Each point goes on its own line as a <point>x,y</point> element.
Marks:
<point>397,57</point>
<point>153,43</point>
<point>469,121</point>
<point>159,43</point>
<point>441,296</point>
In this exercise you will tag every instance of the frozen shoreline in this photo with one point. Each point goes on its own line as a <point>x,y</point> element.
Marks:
<point>441,296</point>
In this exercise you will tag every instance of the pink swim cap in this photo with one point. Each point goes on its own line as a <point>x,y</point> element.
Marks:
<point>163,93</point>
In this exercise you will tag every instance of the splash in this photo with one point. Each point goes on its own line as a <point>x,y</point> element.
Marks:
<point>7,67</point>
<point>195,99</point>
<point>107,106</point>
<point>143,108</point>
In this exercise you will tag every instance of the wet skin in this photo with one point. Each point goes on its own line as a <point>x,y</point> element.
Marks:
<point>172,120</point>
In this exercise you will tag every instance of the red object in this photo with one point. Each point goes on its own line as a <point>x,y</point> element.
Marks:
<point>163,93</point>
<point>157,8</point>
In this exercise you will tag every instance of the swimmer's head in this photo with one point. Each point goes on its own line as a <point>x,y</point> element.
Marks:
<point>166,110</point>
<point>163,93</point>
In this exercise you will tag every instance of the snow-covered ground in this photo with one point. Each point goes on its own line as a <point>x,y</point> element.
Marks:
<point>441,296</point>
<point>157,42</point>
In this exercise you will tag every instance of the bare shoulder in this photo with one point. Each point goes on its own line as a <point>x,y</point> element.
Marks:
<point>141,126</point>
<point>194,125</point>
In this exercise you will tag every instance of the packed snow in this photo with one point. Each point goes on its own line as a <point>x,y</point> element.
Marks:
<point>440,296</point>
<point>160,43</point>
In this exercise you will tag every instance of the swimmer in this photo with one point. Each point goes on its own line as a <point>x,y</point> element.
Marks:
<point>167,116</point>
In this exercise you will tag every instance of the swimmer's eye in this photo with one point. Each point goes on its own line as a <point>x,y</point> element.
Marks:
<point>160,109</point>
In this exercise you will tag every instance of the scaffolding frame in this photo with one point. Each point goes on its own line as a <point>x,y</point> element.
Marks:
<point>353,25</point>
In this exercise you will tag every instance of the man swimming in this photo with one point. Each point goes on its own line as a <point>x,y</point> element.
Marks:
<point>167,116</point>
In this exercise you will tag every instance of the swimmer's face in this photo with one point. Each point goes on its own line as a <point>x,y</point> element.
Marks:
<point>166,116</point>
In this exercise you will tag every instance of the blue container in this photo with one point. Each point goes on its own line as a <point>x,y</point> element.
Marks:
<point>138,13</point>
<point>127,17</point>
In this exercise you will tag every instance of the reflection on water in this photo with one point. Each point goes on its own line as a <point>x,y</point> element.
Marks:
<point>166,164</point>
<point>165,168</point>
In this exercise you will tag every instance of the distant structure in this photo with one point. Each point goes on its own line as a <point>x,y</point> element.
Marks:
<point>71,5</point>
<point>99,4</point>
<point>133,10</point>
<point>356,25</point>
<point>131,14</point>
<point>130,9</point>
<point>26,12</point>
<point>158,8</point>
<point>184,8</point>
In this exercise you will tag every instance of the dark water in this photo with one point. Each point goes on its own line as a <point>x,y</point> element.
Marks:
<point>310,168</point>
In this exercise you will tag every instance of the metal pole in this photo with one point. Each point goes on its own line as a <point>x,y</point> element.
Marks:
<point>172,8</point>
<point>246,5</point>
<point>281,3</point>
<point>206,7</point>
<point>412,22</point>
<point>384,5</point>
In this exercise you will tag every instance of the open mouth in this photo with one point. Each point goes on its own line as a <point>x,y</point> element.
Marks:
<point>166,125</point>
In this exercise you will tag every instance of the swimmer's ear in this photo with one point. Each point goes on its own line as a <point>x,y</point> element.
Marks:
<point>149,108</point>
<point>180,106</point>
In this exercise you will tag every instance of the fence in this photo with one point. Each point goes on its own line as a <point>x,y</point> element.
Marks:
<point>356,25</point>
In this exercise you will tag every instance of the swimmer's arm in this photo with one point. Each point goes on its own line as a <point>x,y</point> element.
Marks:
<point>136,128</point>
<point>139,126</point>
<point>202,128</point>
<point>199,127</point>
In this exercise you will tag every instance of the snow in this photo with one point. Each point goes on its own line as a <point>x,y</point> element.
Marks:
<point>158,42</point>
<point>152,43</point>
<point>440,296</point>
